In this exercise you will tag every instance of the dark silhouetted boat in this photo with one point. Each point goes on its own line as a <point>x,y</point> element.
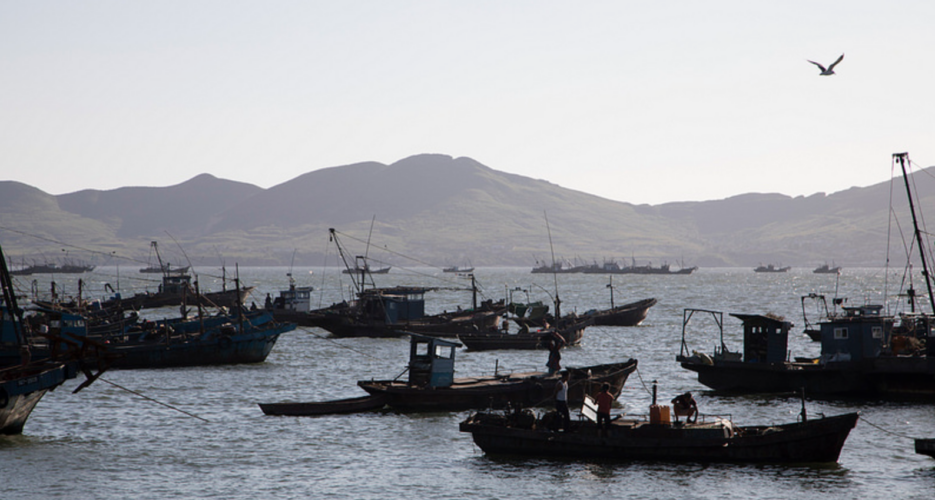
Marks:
<point>770,268</point>
<point>521,433</point>
<point>826,269</point>
<point>432,386</point>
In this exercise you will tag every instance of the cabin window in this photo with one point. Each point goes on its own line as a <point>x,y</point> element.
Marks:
<point>422,348</point>
<point>840,334</point>
<point>876,332</point>
<point>444,352</point>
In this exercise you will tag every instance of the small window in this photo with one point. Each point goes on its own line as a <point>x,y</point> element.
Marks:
<point>877,332</point>
<point>422,348</point>
<point>443,351</point>
<point>840,334</point>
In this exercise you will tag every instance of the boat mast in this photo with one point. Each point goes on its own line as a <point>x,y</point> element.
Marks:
<point>558,302</point>
<point>9,298</point>
<point>901,158</point>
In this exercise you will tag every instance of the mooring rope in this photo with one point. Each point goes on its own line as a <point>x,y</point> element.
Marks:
<point>886,430</point>
<point>154,400</point>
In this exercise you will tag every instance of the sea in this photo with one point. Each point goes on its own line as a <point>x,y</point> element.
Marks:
<point>198,432</point>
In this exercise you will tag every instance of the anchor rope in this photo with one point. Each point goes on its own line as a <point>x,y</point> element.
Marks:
<point>885,430</point>
<point>154,400</point>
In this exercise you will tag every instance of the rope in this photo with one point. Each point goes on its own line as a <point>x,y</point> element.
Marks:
<point>341,345</point>
<point>153,400</point>
<point>886,430</point>
<point>640,375</point>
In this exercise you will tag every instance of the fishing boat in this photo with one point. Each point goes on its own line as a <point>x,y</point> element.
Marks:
<point>292,305</point>
<point>162,268</point>
<point>366,269</point>
<point>864,352</point>
<point>24,380</point>
<point>770,268</point>
<point>53,268</point>
<point>459,270</point>
<point>826,269</point>
<point>611,267</point>
<point>432,386</point>
<point>714,439</point>
<point>631,314</point>
<point>571,331</point>
<point>392,311</point>
<point>224,338</point>
<point>177,289</point>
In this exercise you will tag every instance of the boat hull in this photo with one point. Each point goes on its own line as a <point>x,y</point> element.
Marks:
<point>626,315</point>
<point>516,390</point>
<point>892,377</point>
<point>494,340</point>
<point>21,390</point>
<point>249,347</point>
<point>352,405</point>
<point>813,441</point>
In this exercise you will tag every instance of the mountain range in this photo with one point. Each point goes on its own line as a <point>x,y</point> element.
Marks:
<point>437,210</point>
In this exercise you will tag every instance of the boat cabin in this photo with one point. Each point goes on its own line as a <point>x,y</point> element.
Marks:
<point>765,338</point>
<point>860,332</point>
<point>296,298</point>
<point>431,361</point>
<point>393,305</point>
<point>175,284</point>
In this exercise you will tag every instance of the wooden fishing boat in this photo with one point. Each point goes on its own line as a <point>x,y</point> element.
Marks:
<point>432,386</point>
<point>224,338</point>
<point>24,377</point>
<point>572,331</point>
<point>718,440</point>
<point>631,314</point>
<point>352,405</point>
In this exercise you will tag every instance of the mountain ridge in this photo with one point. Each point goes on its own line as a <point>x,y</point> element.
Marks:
<point>438,208</point>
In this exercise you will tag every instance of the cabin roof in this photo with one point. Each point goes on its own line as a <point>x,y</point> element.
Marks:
<point>757,317</point>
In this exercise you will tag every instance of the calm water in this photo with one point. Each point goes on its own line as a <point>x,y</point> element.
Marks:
<point>105,443</point>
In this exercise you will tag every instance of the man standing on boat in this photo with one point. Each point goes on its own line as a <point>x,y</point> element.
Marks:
<point>604,400</point>
<point>561,400</point>
<point>555,342</point>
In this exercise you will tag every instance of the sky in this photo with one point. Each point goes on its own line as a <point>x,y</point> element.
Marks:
<point>641,102</point>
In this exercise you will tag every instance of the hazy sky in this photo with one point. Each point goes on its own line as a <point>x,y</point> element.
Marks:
<point>643,102</point>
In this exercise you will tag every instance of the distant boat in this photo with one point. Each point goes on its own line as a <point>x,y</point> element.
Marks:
<point>826,269</point>
<point>456,269</point>
<point>53,268</point>
<point>167,269</point>
<point>367,270</point>
<point>611,267</point>
<point>771,269</point>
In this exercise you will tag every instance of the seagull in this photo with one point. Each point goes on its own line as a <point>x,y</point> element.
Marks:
<point>830,70</point>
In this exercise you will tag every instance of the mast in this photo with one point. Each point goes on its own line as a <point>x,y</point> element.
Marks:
<point>901,158</point>
<point>558,302</point>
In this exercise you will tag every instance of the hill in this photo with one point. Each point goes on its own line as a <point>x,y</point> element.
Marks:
<point>442,210</point>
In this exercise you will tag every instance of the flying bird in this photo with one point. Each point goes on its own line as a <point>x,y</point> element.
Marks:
<point>830,70</point>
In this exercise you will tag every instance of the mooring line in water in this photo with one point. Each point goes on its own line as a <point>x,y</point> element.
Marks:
<point>885,430</point>
<point>341,345</point>
<point>154,400</point>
